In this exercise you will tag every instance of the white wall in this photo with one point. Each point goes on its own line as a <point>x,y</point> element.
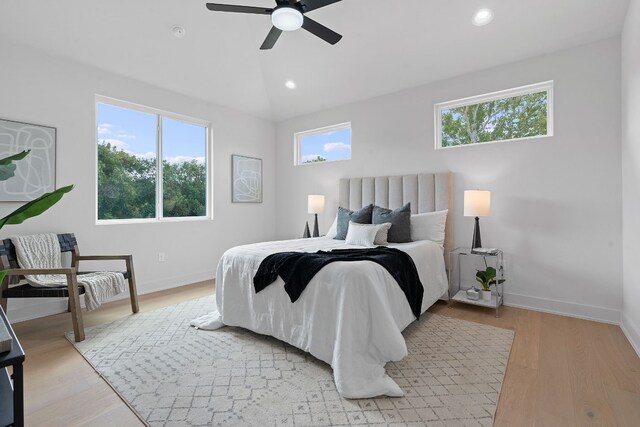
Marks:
<point>631,173</point>
<point>556,202</point>
<point>40,89</point>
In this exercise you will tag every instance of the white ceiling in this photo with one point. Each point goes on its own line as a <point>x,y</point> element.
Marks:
<point>387,45</point>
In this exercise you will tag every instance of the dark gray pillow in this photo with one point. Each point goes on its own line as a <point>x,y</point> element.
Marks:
<point>400,219</point>
<point>361,216</point>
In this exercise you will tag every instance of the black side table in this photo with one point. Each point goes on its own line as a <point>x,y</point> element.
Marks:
<point>11,388</point>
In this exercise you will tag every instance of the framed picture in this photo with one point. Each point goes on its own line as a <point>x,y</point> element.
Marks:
<point>246,179</point>
<point>35,174</point>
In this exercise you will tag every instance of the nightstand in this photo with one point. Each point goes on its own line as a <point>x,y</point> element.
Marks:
<point>462,277</point>
<point>11,387</point>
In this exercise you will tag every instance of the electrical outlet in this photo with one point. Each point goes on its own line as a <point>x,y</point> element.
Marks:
<point>161,257</point>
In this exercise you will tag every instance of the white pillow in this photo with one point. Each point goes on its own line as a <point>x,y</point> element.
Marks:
<point>366,234</point>
<point>333,230</point>
<point>383,234</point>
<point>429,226</point>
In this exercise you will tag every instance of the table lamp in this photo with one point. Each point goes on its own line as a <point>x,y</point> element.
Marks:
<point>315,206</point>
<point>477,203</point>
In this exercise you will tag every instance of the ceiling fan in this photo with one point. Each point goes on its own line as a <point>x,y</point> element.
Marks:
<point>288,15</point>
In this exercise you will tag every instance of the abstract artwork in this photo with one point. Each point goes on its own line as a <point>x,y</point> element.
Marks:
<point>246,179</point>
<point>35,174</point>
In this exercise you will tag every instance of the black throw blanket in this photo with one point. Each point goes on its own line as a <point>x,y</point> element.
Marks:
<point>298,268</point>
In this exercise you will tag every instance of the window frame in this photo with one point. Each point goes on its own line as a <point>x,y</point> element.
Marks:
<point>159,218</point>
<point>297,140</point>
<point>546,86</point>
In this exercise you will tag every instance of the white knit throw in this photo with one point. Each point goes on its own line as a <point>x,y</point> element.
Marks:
<point>43,251</point>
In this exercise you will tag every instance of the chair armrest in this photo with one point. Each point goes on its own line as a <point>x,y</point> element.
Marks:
<point>103,257</point>
<point>24,271</point>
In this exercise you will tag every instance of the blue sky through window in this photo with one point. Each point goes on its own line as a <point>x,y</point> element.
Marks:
<point>135,133</point>
<point>183,142</point>
<point>332,145</point>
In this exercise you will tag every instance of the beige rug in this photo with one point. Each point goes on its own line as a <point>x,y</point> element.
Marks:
<point>174,375</point>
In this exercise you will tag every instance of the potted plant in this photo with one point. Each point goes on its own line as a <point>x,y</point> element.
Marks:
<point>487,278</point>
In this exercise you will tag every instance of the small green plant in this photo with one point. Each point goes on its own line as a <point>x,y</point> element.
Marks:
<point>487,277</point>
<point>34,207</point>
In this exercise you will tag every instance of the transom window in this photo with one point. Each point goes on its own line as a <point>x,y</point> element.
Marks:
<point>327,144</point>
<point>509,115</point>
<point>152,165</point>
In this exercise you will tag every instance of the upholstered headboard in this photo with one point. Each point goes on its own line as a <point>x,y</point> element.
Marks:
<point>427,192</point>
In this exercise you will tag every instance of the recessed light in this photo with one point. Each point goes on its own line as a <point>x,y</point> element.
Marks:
<point>482,17</point>
<point>178,31</point>
<point>290,84</point>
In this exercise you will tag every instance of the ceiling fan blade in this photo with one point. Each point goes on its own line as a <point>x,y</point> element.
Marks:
<point>321,31</point>
<point>309,5</point>
<point>240,9</point>
<point>271,39</point>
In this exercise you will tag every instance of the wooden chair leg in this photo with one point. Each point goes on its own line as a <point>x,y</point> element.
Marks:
<point>76,310</point>
<point>133,292</point>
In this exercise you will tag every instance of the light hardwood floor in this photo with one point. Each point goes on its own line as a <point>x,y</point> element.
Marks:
<point>562,371</point>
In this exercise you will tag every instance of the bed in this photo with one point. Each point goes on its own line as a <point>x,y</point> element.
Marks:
<point>352,314</point>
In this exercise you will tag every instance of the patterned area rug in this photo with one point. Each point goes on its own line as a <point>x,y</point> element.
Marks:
<point>174,375</point>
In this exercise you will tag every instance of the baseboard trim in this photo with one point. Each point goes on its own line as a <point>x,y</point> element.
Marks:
<point>564,308</point>
<point>49,307</point>
<point>631,332</point>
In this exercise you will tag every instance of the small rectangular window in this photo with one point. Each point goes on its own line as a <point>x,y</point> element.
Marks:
<point>327,144</point>
<point>509,115</point>
<point>152,165</point>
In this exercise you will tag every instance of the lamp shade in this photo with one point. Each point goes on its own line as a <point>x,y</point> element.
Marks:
<point>315,204</point>
<point>477,203</point>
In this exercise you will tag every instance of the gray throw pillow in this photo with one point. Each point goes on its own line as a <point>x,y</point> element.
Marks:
<point>361,216</point>
<point>400,219</point>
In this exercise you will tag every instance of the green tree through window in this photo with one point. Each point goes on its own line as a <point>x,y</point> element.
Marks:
<point>515,117</point>
<point>316,159</point>
<point>126,185</point>
<point>130,144</point>
<point>185,189</point>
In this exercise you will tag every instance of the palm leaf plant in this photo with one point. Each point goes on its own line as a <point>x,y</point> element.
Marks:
<point>7,168</point>
<point>34,207</point>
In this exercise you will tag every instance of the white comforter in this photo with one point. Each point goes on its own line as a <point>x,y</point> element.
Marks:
<point>351,314</point>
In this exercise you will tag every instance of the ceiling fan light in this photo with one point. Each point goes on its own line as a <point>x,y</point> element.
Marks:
<point>287,18</point>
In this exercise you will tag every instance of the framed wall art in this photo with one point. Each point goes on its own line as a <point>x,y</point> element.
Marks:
<point>246,179</point>
<point>35,174</point>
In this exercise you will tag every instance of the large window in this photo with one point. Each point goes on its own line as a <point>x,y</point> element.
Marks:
<point>152,165</point>
<point>514,114</point>
<point>328,144</point>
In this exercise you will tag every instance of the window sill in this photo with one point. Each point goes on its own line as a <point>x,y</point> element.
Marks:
<point>321,163</point>
<point>152,220</point>
<point>502,141</point>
